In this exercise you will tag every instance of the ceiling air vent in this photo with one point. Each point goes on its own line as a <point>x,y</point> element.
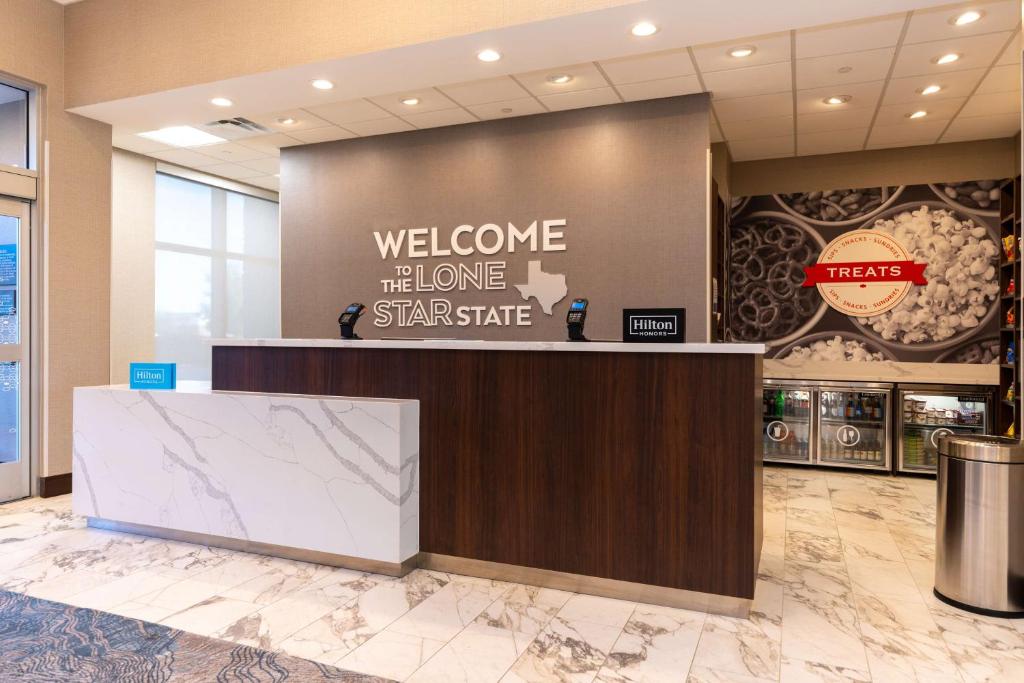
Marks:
<point>235,128</point>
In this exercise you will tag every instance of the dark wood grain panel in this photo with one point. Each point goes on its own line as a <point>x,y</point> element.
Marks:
<point>640,467</point>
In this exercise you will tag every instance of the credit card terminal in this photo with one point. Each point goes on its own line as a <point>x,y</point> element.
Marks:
<point>575,319</point>
<point>347,320</point>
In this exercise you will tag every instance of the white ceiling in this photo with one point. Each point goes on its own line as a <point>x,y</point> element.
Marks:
<point>767,105</point>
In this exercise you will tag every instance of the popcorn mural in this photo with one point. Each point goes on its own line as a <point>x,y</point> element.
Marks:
<point>950,227</point>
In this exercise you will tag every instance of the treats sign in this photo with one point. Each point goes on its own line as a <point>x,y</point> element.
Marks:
<point>864,273</point>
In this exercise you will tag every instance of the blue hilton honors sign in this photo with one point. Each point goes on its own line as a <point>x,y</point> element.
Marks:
<point>653,324</point>
<point>153,375</point>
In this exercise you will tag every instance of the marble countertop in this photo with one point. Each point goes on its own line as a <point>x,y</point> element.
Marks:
<point>199,387</point>
<point>882,371</point>
<point>479,345</point>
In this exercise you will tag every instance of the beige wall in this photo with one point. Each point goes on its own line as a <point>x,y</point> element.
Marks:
<point>721,168</point>
<point>76,290</point>
<point>900,166</point>
<point>132,282</point>
<point>120,48</point>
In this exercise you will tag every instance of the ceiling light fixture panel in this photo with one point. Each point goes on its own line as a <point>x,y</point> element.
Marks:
<point>643,29</point>
<point>947,58</point>
<point>742,51</point>
<point>322,84</point>
<point>488,55</point>
<point>968,17</point>
<point>182,136</point>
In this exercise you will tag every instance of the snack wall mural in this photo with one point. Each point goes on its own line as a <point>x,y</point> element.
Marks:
<point>952,228</point>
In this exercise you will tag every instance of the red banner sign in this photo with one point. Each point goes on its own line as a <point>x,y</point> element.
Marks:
<point>867,271</point>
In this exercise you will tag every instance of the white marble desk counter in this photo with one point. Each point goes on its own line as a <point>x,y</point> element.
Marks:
<point>480,345</point>
<point>329,479</point>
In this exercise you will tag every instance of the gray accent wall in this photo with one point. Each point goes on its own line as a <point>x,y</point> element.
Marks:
<point>629,180</point>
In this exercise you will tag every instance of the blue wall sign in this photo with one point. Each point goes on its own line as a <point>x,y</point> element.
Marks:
<point>153,375</point>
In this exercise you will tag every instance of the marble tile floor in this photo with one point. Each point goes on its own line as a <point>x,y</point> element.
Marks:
<point>844,594</point>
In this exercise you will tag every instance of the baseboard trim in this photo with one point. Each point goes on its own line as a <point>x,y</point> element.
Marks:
<point>55,485</point>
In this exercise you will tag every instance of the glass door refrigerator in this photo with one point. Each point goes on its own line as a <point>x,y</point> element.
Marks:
<point>932,410</point>
<point>787,422</point>
<point>853,425</point>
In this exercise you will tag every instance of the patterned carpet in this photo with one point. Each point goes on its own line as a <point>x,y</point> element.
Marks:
<point>43,641</point>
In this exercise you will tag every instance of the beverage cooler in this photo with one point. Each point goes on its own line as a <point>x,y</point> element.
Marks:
<point>838,424</point>
<point>928,412</point>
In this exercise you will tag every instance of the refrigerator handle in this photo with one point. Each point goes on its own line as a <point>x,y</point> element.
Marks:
<point>812,446</point>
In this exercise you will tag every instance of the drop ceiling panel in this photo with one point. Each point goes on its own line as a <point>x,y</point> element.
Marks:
<point>663,87</point>
<point>670,64</point>
<point>861,95</point>
<point>831,142</point>
<point>379,126</point>
<point>767,50</point>
<point>953,83</point>
<point>935,24</point>
<point>268,166</point>
<point>447,117</point>
<point>231,151</point>
<point>853,36</point>
<point>938,110</point>
<point>302,118</point>
<point>233,171</point>
<point>328,134</point>
<point>134,143</point>
<point>270,144</point>
<point>905,134</point>
<point>981,127</point>
<point>833,70</point>
<point>185,157</point>
<point>759,106</point>
<point>429,100</point>
<point>756,80</point>
<point>351,111</point>
<point>766,148</point>
<point>841,119</point>
<point>1001,79</point>
<point>975,52</point>
<point>988,104</point>
<point>779,126</point>
<point>500,110</point>
<point>584,77</point>
<point>1011,54</point>
<point>266,182</point>
<point>583,98</point>
<point>501,89</point>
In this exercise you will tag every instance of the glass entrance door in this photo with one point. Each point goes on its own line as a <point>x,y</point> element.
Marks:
<point>14,451</point>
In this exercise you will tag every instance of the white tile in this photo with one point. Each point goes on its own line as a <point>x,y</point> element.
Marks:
<point>905,134</point>
<point>180,594</point>
<point>391,655</point>
<point>831,142</point>
<point>447,117</point>
<point>209,616</point>
<point>989,104</point>
<point>1001,79</point>
<point>231,151</point>
<point>861,95</point>
<point>648,67</point>
<point>836,70</point>
<point>938,110</point>
<point>584,77</point>
<point>768,49</point>
<point>303,120</point>
<point>598,610</point>
<point>769,148</point>
<point>759,106</point>
<point>757,80</point>
<point>185,157</point>
<point>664,87</point>
<point>267,627</point>
<point>982,127</point>
<point>328,134</point>
<point>500,89</point>
<point>269,166</point>
<point>134,143</point>
<point>824,122</point>
<point>233,171</point>
<point>850,36</point>
<point>379,126</point>
<point>430,99</point>
<point>479,653</point>
<point>270,144</point>
<point>953,84</point>
<point>125,589</point>
<point>580,99</point>
<point>778,126</point>
<point>351,111</point>
<point>975,52</point>
<point>934,24</point>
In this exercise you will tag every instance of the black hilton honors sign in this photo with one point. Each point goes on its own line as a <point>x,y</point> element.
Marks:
<point>653,324</point>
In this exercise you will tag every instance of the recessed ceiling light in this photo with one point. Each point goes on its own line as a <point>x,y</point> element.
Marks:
<point>322,84</point>
<point>837,99</point>
<point>488,55</point>
<point>286,121</point>
<point>643,29</point>
<point>947,58</point>
<point>182,136</point>
<point>741,52</point>
<point>507,110</point>
<point>919,114</point>
<point>221,102</point>
<point>968,17</point>
<point>931,89</point>
<point>845,69</point>
<point>410,101</point>
<point>559,79</point>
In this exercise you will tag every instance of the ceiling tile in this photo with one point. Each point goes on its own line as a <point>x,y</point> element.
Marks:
<point>352,111</point>
<point>578,100</point>
<point>1011,54</point>
<point>982,127</point>
<point>328,134</point>
<point>266,182</point>
<point>1001,79</point>
<point>500,110</point>
<point>756,80</point>
<point>759,106</point>
<point>270,144</point>
<point>954,84</point>
<point>976,52</point>
<point>938,110</point>
<point>766,148</point>
<point>905,134</point>
<point>649,67</point>
<point>767,50</point>
<point>447,117</point>
<point>934,24</point>
<point>303,120</point>
<point>135,143</point>
<point>231,151</point>
<point>988,104</point>
<point>185,157</point>
<point>379,127</point>
<point>270,166</point>
<point>429,100</point>
<point>777,126</point>
<point>861,95</point>
<point>501,89</point>
<point>831,142</point>
<point>851,36</point>
<point>584,77</point>
<point>233,171</point>
<point>841,119</point>
<point>663,87</point>
<point>854,67</point>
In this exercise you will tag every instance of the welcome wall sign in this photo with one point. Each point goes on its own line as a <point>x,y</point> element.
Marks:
<point>414,293</point>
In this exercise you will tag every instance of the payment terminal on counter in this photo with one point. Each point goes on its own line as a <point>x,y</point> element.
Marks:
<point>576,318</point>
<point>348,320</point>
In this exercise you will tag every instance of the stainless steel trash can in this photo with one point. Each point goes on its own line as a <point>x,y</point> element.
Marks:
<point>979,525</point>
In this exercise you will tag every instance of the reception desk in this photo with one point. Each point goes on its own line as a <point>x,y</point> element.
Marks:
<point>626,470</point>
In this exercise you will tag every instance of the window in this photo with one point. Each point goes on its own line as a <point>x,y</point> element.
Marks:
<point>14,130</point>
<point>217,271</point>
